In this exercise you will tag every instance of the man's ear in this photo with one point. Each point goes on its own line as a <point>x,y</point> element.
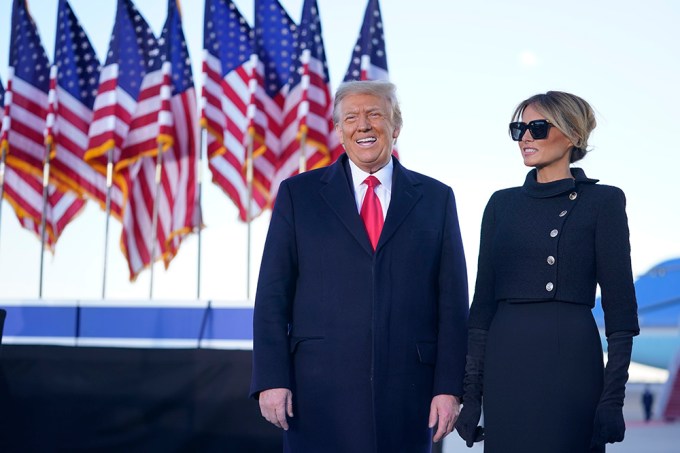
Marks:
<point>338,132</point>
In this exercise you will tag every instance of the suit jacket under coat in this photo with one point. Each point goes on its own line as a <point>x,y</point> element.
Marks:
<point>364,340</point>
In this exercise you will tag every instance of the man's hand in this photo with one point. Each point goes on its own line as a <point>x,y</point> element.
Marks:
<point>275,404</point>
<point>444,412</point>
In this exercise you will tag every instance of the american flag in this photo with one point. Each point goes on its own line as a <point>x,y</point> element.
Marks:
<point>23,133</point>
<point>119,100</point>
<point>275,39</point>
<point>76,87</point>
<point>227,44</point>
<point>2,105</point>
<point>177,132</point>
<point>148,117</point>
<point>309,102</point>
<point>4,128</point>
<point>369,59</point>
<point>29,86</point>
<point>4,124</point>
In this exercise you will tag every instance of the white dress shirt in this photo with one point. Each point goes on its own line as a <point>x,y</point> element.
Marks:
<point>383,191</point>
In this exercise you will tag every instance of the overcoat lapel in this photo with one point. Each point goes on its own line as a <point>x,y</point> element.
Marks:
<point>405,195</point>
<point>338,194</point>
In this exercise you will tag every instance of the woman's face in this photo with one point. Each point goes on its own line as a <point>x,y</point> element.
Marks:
<point>550,153</point>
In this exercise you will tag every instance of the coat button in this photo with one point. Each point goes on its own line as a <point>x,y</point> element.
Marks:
<point>553,233</point>
<point>549,286</point>
<point>563,213</point>
<point>551,260</point>
<point>573,195</point>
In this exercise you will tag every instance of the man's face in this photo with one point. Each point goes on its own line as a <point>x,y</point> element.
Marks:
<point>366,131</point>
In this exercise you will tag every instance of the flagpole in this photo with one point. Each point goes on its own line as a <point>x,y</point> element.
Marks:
<point>249,182</point>
<point>303,109</point>
<point>203,149</point>
<point>4,136</point>
<point>49,141</point>
<point>163,122</point>
<point>2,183</point>
<point>199,178</point>
<point>43,220</point>
<point>154,220</point>
<point>250,112</point>
<point>109,183</point>
<point>303,144</point>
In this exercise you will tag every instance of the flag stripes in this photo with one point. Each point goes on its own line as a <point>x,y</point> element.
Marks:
<point>77,80</point>
<point>167,119</point>
<point>308,123</point>
<point>24,134</point>
<point>265,89</point>
<point>226,96</point>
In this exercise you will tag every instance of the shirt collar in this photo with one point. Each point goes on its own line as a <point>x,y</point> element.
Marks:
<point>537,189</point>
<point>384,175</point>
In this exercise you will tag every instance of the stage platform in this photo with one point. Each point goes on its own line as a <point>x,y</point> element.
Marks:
<point>77,399</point>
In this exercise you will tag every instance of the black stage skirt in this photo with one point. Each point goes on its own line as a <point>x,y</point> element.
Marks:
<point>542,378</point>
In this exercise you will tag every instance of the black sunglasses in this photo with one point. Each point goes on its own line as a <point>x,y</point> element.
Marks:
<point>537,128</point>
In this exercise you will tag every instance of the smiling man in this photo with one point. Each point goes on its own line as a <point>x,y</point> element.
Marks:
<point>361,306</point>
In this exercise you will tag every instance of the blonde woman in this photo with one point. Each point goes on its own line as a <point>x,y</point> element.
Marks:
<point>535,358</point>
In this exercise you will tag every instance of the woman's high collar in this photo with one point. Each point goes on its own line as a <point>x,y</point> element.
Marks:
<point>537,189</point>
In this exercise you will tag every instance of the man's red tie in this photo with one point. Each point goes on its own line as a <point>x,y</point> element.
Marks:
<point>371,211</point>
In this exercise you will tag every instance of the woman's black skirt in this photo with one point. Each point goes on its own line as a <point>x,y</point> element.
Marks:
<point>542,379</point>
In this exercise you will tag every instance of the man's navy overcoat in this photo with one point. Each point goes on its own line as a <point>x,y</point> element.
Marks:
<point>363,339</point>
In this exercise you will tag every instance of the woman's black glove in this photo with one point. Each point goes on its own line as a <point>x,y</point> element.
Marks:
<point>467,424</point>
<point>609,424</point>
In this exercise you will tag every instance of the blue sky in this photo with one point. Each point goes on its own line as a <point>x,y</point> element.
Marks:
<point>460,69</point>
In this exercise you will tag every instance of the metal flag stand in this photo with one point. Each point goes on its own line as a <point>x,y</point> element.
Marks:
<point>250,112</point>
<point>303,109</point>
<point>49,142</point>
<point>154,219</point>
<point>109,183</point>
